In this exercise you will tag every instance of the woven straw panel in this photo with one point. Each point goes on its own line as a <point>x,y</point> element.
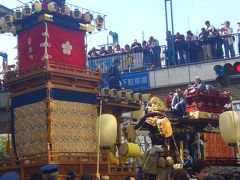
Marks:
<point>73,126</point>
<point>30,126</point>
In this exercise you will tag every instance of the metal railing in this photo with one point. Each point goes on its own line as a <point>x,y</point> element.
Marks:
<point>187,52</point>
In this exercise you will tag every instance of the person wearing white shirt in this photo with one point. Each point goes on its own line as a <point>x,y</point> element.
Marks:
<point>228,39</point>
<point>209,27</point>
<point>238,31</point>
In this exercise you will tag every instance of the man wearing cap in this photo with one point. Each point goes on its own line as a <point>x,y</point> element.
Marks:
<point>50,172</point>
<point>179,104</point>
<point>136,46</point>
<point>199,84</point>
<point>238,31</point>
<point>155,51</point>
<point>115,76</point>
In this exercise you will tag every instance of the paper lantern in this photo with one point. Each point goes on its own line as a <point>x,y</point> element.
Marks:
<point>52,6</point>
<point>36,7</point>
<point>99,21</point>
<point>129,95</point>
<point>122,94</point>
<point>105,92</point>
<point>76,14</point>
<point>137,97</point>
<point>108,129</point>
<point>86,27</point>
<point>26,11</point>
<point>88,17</point>
<point>229,124</point>
<point>8,19</point>
<point>145,98</point>
<point>17,15</point>
<point>2,24</point>
<point>164,127</point>
<point>129,150</point>
<point>113,93</point>
<point>65,10</point>
<point>90,28</point>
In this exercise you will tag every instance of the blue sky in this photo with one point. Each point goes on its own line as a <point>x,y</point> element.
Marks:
<point>129,18</point>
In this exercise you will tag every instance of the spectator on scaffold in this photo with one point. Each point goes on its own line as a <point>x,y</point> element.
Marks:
<point>169,51</point>
<point>118,49</point>
<point>147,60</point>
<point>115,76</point>
<point>94,52</point>
<point>179,104</point>
<point>216,44</point>
<point>180,45</point>
<point>228,39</point>
<point>238,31</point>
<point>110,50</point>
<point>103,51</point>
<point>127,48</point>
<point>212,38</point>
<point>205,41</point>
<point>155,51</point>
<point>135,47</point>
<point>191,40</point>
<point>199,84</point>
<point>209,27</point>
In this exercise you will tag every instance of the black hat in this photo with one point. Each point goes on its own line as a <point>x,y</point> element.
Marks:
<point>50,168</point>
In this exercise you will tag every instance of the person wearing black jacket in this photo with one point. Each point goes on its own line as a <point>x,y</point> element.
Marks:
<point>204,39</point>
<point>115,76</point>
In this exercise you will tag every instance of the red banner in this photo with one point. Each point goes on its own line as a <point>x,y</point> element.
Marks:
<point>29,50</point>
<point>63,46</point>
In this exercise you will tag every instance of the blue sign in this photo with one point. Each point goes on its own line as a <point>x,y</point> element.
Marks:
<point>133,81</point>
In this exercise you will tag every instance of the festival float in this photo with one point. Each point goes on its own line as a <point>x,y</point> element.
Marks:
<point>207,119</point>
<point>58,114</point>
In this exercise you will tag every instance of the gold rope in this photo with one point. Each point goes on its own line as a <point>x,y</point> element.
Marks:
<point>48,101</point>
<point>99,133</point>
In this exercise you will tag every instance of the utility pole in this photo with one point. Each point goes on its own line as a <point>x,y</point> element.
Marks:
<point>142,36</point>
<point>167,27</point>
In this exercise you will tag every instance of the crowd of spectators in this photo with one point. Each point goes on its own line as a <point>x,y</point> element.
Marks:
<point>210,43</point>
<point>150,48</point>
